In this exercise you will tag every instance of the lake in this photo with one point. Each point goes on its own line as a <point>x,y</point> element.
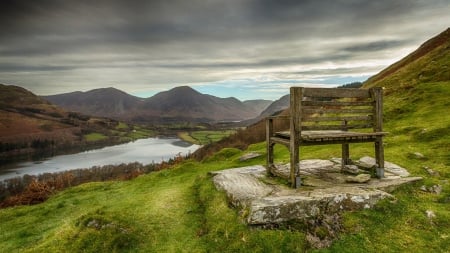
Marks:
<point>145,151</point>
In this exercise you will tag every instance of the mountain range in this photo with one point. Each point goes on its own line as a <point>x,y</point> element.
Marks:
<point>178,104</point>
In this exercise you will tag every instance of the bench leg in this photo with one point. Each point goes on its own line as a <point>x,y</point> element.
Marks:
<point>270,148</point>
<point>379,157</point>
<point>345,155</point>
<point>269,145</point>
<point>295,167</point>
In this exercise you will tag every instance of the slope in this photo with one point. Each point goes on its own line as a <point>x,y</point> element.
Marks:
<point>104,102</point>
<point>186,103</point>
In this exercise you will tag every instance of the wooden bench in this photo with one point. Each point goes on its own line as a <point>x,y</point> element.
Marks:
<point>320,116</point>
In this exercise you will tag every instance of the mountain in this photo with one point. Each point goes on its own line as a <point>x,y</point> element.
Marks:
<point>104,102</point>
<point>277,106</point>
<point>186,103</point>
<point>258,105</point>
<point>178,104</point>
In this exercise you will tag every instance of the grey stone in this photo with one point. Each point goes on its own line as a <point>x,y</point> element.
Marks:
<point>352,169</point>
<point>369,162</point>
<point>241,185</point>
<point>418,155</point>
<point>430,214</point>
<point>390,184</point>
<point>361,178</point>
<point>435,189</point>
<point>311,204</point>
<point>431,172</point>
<point>249,156</point>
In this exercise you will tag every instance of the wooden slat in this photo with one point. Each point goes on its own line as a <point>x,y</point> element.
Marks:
<point>335,127</point>
<point>330,134</point>
<point>312,118</point>
<point>310,110</point>
<point>334,93</point>
<point>337,103</point>
<point>283,141</point>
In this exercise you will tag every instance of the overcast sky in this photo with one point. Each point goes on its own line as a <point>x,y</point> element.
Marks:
<point>242,48</point>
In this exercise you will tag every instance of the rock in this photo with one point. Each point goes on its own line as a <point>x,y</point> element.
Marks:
<point>361,178</point>
<point>352,169</point>
<point>431,172</point>
<point>435,189</point>
<point>423,188</point>
<point>391,184</point>
<point>311,204</point>
<point>249,156</point>
<point>336,160</point>
<point>430,214</point>
<point>369,162</point>
<point>241,185</point>
<point>418,155</point>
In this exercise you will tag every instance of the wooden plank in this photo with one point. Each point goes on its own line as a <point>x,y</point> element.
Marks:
<point>337,103</point>
<point>336,127</point>
<point>312,118</point>
<point>310,110</point>
<point>283,141</point>
<point>334,93</point>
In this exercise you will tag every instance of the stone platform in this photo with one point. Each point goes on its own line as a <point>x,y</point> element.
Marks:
<point>326,189</point>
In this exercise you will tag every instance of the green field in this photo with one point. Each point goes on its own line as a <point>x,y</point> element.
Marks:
<point>95,137</point>
<point>205,137</point>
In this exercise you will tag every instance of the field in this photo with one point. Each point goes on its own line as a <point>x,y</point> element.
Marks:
<point>204,137</point>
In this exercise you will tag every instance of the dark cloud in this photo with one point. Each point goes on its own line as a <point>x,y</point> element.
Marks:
<point>144,43</point>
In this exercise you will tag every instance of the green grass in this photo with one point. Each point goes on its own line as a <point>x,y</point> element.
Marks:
<point>205,137</point>
<point>179,210</point>
<point>95,137</point>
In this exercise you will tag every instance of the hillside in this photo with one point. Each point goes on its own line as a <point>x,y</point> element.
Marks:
<point>179,104</point>
<point>30,124</point>
<point>277,106</point>
<point>258,105</point>
<point>429,63</point>
<point>186,103</point>
<point>105,102</point>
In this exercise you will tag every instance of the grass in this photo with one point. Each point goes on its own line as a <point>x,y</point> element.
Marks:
<point>95,137</point>
<point>179,210</point>
<point>205,137</point>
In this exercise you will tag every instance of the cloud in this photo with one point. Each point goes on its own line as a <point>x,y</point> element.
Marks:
<point>52,46</point>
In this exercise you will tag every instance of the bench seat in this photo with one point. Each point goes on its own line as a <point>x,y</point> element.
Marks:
<point>328,137</point>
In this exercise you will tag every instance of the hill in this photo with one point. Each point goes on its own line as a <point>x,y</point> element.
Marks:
<point>186,103</point>
<point>258,105</point>
<point>30,124</point>
<point>179,104</point>
<point>429,63</point>
<point>105,102</point>
<point>277,106</point>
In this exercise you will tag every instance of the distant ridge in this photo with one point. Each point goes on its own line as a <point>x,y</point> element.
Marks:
<point>178,104</point>
<point>105,102</point>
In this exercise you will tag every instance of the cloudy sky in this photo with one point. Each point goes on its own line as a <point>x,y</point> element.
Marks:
<point>243,48</point>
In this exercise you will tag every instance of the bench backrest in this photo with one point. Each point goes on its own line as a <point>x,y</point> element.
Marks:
<point>336,108</point>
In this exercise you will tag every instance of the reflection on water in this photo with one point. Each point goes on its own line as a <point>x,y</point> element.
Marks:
<point>144,151</point>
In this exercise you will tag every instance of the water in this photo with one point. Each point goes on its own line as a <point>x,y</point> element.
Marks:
<point>144,151</point>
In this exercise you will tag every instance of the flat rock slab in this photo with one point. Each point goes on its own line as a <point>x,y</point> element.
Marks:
<point>275,203</point>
